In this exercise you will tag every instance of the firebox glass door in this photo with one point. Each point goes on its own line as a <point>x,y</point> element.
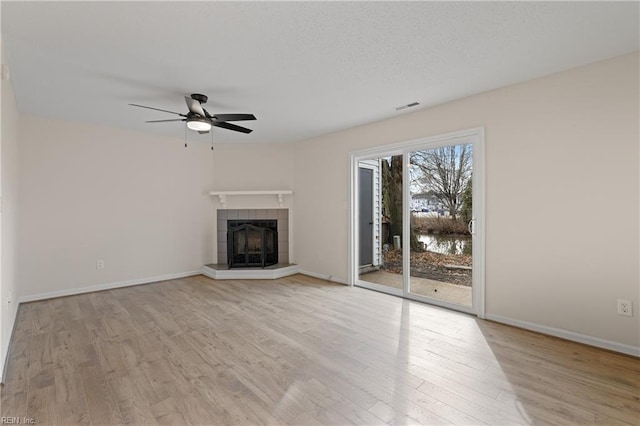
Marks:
<point>254,246</point>
<point>250,245</point>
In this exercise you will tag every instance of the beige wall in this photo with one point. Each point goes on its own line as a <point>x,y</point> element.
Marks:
<point>137,201</point>
<point>9,215</point>
<point>562,193</point>
<point>240,167</point>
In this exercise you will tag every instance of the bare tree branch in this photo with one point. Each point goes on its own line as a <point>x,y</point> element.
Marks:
<point>444,172</point>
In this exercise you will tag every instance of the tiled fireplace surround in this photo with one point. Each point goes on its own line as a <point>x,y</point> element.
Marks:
<point>281,215</point>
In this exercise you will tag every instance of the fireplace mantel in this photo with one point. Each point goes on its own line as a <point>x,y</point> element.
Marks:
<point>280,193</point>
<point>252,204</point>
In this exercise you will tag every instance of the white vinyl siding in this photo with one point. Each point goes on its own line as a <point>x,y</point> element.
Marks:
<point>374,164</point>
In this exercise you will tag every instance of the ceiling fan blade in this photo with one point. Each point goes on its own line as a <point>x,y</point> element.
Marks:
<point>230,126</point>
<point>163,121</point>
<point>234,117</point>
<point>194,106</point>
<point>158,109</point>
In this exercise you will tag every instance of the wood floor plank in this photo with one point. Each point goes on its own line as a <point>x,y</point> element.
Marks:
<point>102,406</point>
<point>135,408</point>
<point>70,397</point>
<point>41,406</point>
<point>167,412</point>
<point>239,404</point>
<point>40,362</point>
<point>297,350</point>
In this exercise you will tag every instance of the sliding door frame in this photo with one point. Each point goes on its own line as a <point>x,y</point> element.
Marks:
<point>475,136</point>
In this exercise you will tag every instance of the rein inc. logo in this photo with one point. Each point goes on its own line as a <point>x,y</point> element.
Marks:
<point>17,421</point>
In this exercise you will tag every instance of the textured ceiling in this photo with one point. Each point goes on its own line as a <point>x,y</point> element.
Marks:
<point>303,68</point>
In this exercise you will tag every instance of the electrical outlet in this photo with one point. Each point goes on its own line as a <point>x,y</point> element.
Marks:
<point>99,264</point>
<point>625,307</point>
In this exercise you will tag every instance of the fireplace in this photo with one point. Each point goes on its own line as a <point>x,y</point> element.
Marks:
<point>241,216</point>
<point>252,243</point>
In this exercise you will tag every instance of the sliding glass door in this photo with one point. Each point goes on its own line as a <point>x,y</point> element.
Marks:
<point>441,194</point>
<point>417,220</point>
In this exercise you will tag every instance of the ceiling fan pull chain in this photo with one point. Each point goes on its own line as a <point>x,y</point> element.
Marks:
<point>211,133</point>
<point>185,135</point>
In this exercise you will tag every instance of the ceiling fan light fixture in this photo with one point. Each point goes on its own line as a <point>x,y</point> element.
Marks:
<point>199,125</point>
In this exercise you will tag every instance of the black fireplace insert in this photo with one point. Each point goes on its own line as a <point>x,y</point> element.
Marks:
<point>252,243</point>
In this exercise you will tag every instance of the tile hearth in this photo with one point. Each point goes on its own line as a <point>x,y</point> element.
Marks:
<point>223,272</point>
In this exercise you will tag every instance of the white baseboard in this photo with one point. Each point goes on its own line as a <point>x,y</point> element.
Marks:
<point>568,335</point>
<point>108,286</point>
<point>4,356</point>
<point>325,277</point>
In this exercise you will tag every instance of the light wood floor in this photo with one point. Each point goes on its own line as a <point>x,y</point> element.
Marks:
<point>297,351</point>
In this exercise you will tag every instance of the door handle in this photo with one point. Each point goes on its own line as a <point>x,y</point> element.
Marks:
<point>471,226</point>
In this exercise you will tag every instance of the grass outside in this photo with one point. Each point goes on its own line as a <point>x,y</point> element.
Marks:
<point>439,225</point>
<point>430,265</point>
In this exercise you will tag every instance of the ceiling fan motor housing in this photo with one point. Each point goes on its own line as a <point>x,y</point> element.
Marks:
<point>200,98</point>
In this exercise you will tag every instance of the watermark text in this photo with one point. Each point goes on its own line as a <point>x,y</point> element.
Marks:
<point>17,421</point>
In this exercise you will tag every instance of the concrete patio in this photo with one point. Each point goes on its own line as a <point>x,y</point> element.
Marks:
<point>448,292</point>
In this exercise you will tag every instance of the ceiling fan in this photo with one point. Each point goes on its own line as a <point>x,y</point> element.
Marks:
<point>200,120</point>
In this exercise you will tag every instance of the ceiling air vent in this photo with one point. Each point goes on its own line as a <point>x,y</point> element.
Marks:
<point>400,108</point>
